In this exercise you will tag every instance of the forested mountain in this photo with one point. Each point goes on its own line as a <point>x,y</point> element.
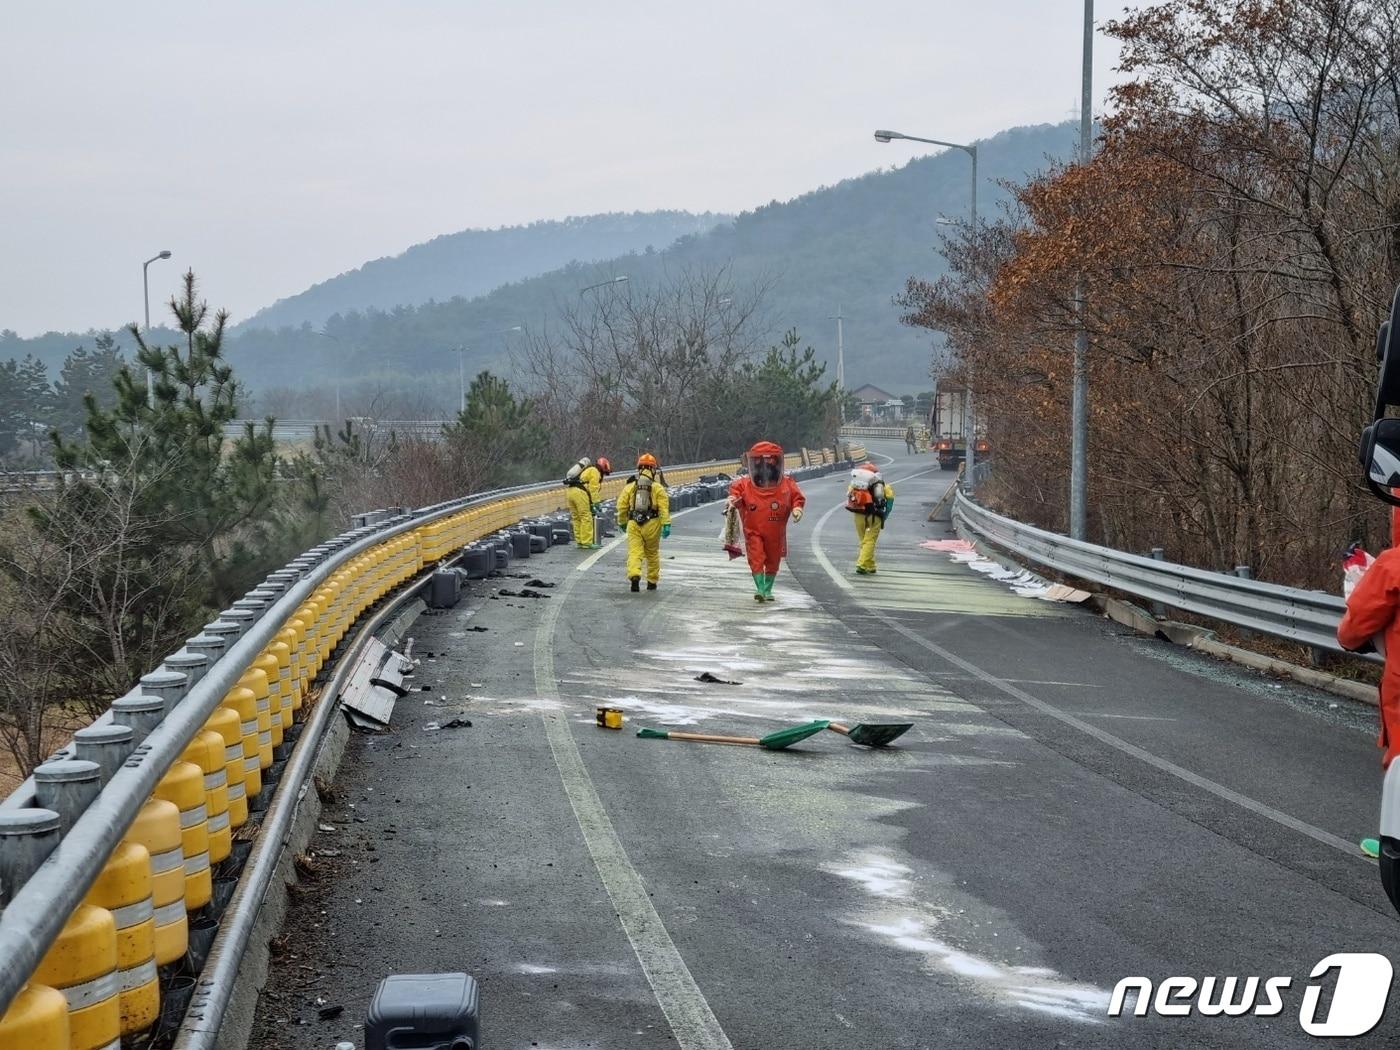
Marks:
<point>472,262</point>
<point>849,246</point>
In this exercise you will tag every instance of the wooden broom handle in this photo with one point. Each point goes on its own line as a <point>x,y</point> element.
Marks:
<point>710,738</point>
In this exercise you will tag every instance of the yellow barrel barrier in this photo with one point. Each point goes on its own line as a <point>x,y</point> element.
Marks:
<point>82,964</point>
<point>256,680</point>
<point>293,634</point>
<point>157,828</point>
<point>306,617</point>
<point>124,889</point>
<point>206,751</point>
<point>267,664</point>
<point>241,701</point>
<point>184,786</point>
<point>226,723</point>
<point>283,648</point>
<point>36,1020</point>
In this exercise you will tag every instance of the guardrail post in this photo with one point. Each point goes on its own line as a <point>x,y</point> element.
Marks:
<point>209,646</point>
<point>169,687</point>
<point>241,619</point>
<point>67,787</point>
<point>1158,609</point>
<point>1245,573</point>
<point>225,629</point>
<point>141,713</point>
<point>27,837</point>
<point>191,665</point>
<point>108,745</point>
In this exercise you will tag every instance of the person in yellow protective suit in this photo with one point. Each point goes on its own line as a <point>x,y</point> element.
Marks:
<point>583,487</point>
<point>871,499</point>
<point>644,510</point>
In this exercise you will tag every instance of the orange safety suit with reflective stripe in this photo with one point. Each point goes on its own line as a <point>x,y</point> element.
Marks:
<point>764,513</point>
<point>1372,610</point>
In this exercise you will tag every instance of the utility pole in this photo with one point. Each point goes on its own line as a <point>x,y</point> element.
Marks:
<point>146,293</point>
<point>1079,399</point>
<point>840,362</point>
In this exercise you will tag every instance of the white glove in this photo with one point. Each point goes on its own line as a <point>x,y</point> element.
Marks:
<point>796,513</point>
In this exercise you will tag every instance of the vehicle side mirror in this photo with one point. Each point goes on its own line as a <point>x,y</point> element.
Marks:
<point>1388,355</point>
<point>1380,455</point>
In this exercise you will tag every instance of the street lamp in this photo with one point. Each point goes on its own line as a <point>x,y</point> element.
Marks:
<point>603,284</point>
<point>146,289</point>
<point>338,419</point>
<point>461,352</point>
<point>971,151</point>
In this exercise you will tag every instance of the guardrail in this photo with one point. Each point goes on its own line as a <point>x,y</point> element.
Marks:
<point>895,433</point>
<point>1306,617</point>
<point>248,678</point>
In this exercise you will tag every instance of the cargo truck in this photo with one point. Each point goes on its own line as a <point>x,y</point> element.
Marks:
<point>947,426</point>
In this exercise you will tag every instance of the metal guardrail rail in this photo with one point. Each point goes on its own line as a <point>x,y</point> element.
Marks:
<point>1306,617</point>
<point>338,581</point>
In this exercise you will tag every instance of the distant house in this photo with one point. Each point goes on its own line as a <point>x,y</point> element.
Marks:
<point>874,405</point>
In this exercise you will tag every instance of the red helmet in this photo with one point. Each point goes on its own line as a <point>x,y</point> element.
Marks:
<point>646,459</point>
<point>867,465</point>
<point>604,467</point>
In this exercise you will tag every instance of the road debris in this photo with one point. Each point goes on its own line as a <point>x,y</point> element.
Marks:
<point>706,676</point>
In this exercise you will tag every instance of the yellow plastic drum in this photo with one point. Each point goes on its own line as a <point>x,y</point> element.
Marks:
<point>267,664</point>
<point>82,964</point>
<point>124,889</point>
<point>288,637</point>
<point>184,786</point>
<point>206,751</point>
<point>241,700</point>
<point>157,827</point>
<point>280,656</point>
<point>36,1020</point>
<point>226,724</point>
<point>256,680</point>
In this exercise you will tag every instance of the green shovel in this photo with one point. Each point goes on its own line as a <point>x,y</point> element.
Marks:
<point>773,741</point>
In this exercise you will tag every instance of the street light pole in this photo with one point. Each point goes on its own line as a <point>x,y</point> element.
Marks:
<point>970,419</point>
<point>146,292</point>
<point>1079,398</point>
<point>339,419</point>
<point>840,359</point>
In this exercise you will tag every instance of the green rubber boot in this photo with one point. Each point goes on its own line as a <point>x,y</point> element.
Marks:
<point>768,587</point>
<point>758,586</point>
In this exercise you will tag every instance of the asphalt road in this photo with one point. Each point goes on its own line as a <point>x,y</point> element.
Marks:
<point>1074,805</point>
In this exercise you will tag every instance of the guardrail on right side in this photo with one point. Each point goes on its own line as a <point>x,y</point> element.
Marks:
<point>1306,617</point>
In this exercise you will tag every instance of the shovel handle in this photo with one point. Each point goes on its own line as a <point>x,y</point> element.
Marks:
<point>711,738</point>
<point>844,730</point>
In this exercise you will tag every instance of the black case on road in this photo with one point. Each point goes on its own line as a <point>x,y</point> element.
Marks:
<point>435,1011</point>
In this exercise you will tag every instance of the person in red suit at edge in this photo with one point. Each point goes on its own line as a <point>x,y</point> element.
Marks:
<point>1372,610</point>
<point>765,498</point>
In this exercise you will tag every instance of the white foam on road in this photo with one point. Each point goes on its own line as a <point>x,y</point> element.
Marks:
<point>904,919</point>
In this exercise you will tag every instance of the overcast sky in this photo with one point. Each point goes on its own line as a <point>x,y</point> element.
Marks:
<point>273,144</point>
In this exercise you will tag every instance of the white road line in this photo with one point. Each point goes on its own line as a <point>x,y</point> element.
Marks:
<point>1118,743</point>
<point>687,1011</point>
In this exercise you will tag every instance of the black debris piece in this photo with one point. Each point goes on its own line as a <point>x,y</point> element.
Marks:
<point>706,676</point>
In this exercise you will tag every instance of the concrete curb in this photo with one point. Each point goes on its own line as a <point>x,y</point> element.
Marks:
<point>236,1031</point>
<point>1201,638</point>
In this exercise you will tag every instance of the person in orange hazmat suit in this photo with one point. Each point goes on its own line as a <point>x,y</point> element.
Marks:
<point>765,498</point>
